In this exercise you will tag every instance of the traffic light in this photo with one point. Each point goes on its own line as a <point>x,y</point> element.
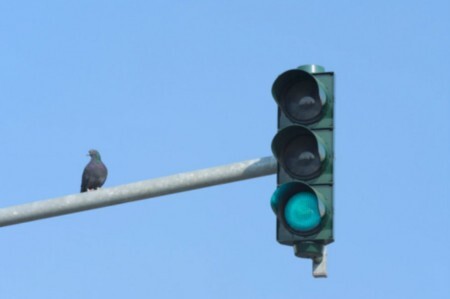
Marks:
<point>303,147</point>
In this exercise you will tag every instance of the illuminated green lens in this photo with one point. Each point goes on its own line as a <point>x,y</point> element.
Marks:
<point>302,211</point>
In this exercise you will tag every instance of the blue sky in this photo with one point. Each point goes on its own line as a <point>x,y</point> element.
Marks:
<point>161,87</point>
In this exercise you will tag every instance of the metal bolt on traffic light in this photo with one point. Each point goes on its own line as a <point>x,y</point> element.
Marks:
<point>303,147</point>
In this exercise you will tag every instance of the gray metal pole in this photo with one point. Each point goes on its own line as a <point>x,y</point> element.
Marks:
<point>139,190</point>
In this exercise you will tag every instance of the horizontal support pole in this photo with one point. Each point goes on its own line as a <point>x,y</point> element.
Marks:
<point>136,191</point>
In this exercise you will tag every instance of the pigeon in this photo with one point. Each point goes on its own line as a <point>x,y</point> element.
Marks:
<point>94,174</point>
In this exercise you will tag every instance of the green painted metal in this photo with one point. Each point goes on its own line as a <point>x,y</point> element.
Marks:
<point>310,250</point>
<point>312,68</point>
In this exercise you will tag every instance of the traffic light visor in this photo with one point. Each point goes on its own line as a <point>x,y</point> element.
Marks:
<point>300,96</point>
<point>299,152</point>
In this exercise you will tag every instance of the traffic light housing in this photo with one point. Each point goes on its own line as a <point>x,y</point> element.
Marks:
<point>303,147</point>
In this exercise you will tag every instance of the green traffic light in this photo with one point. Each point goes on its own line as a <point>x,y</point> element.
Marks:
<point>302,212</point>
<point>304,149</point>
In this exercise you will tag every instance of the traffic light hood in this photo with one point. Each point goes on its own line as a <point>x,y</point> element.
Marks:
<point>299,151</point>
<point>300,96</point>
